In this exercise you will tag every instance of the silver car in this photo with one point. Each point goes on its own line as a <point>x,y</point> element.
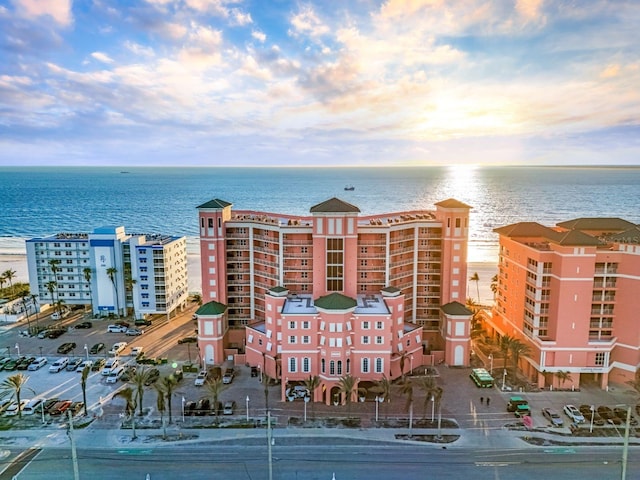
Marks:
<point>573,413</point>
<point>553,416</point>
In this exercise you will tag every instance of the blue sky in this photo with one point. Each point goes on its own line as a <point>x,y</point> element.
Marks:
<point>333,82</point>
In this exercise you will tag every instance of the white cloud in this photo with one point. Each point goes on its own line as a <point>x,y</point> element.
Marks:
<point>258,35</point>
<point>58,10</point>
<point>307,22</point>
<point>102,57</point>
<point>240,18</point>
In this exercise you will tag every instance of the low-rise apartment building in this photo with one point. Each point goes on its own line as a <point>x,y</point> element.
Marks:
<point>570,292</point>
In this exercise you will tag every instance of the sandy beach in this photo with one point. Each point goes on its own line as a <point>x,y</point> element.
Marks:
<point>485,271</point>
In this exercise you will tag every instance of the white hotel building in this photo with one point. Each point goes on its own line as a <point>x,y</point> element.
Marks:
<point>150,271</point>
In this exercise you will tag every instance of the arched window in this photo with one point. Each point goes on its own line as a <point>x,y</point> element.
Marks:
<point>339,367</point>
<point>348,365</point>
<point>322,365</point>
<point>379,365</point>
<point>211,223</point>
<point>202,222</point>
<point>365,365</point>
<point>332,367</point>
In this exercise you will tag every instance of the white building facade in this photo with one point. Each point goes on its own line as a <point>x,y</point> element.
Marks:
<point>114,272</point>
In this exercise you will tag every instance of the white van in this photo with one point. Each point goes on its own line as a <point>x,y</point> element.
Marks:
<point>58,365</point>
<point>115,374</point>
<point>58,315</point>
<point>111,364</point>
<point>117,348</point>
<point>37,364</point>
<point>33,406</point>
<point>14,407</point>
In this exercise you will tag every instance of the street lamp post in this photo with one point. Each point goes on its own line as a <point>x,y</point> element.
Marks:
<point>306,400</point>
<point>183,400</point>
<point>504,378</point>
<point>592,408</point>
<point>491,364</point>
<point>247,408</point>
<point>411,363</point>
<point>433,408</point>
<point>86,351</point>
<point>18,349</point>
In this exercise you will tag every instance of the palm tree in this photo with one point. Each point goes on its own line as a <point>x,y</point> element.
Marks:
<point>2,280</point>
<point>129,283</point>
<point>347,385</point>
<point>54,266</point>
<point>382,389</point>
<point>505,347</point>
<point>428,386</point>
<point>26,310</point>
<point>476,278</point>
<point>407,389</point>
<point>403,357</point>
<point>168,384</point>
<point>111,272</point>
<point>34,300</point>
<point>12,387</point>
<point>83,385</point>
<point>266,381</point>
<point>518,349</point>
<point>160,405</point>
<point>312,383</point>
<point>213,388</point>
<point>87,272</point>
<point>494,285</point>
<point>138,380</point>
<point>51,286</point>
<point>130,407</point>
<point>9,276</point>
<point>563,376</point>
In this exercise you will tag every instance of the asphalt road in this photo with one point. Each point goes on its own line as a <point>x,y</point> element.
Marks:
<point>324,457</point>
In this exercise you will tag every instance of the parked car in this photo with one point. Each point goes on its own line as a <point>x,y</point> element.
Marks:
<point>133,332</point>
<point>117,348</point>
<point>14,408</point>
<point>33,406</point>
<point>87,363</point>
<point>553,416</point>
<point>201,378</point>
<point>187,340</point>
<point>115,374</point>
<point>49,403</point>
<point>37,364</point>
<point>76,407</point>
<point>177,375</point>
<point>116,329</point>
<point>60,407</point>
<point>60,315</point>
<point>25,362</point>
<point>228,408</point>
<point>135,351</point>
<point>129,372</point>
<point>84,325</point>
<point>228,376</point>
<point>97,348</point>
<point>123,324</point>
<point>190,408</point>
<point>73,364</point>
<point>59,365</point>
<point>519,406</point>
<point>66,347</point>
<point>152,376</point>
<point>203,407</point>
<point>141,322</point>
<point>12,364</point>
<point>110,365</point>
<point>98,364</point>
<point>55,333</point>
<point>573,413</point>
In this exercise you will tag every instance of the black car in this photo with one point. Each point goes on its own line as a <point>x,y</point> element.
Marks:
<point>66,347</point>
<point>24,363</point>
<point>142,322</point>
<point>55,333</point>
<point>123,324</point>
<point>187,340</point>
<point>97,348</point>
<point>190,408</point>
<point>48,405</point>
<point>203,407</point>
<point>98,364</point>
<point>128,373</point>
<point>152,376</point>
<point>84,325</point>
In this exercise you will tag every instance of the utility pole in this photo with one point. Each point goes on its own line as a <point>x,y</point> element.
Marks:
<point>269,443</point>
<point>74,455</point>
<point>625,448</point>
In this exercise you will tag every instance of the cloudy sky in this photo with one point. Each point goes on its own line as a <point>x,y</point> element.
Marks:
<point>324,82</point>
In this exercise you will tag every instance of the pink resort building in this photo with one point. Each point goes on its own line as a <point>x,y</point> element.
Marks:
<point>572,294</point>
<point>333,293</point>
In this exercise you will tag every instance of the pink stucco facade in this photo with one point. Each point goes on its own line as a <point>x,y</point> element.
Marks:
<point>389,275</point>
<point>571,294</point>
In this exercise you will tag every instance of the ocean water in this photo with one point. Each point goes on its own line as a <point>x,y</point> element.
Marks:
<point>43,201</point>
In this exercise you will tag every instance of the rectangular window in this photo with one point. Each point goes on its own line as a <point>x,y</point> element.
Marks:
<point>365,365</point>
<point>292,339</point>
<point>335,264</point>
<point>306,325</point>
<point>292,325</point>
<point>600,359</point>
<point>306,339</point>
<point>365,340</point>
<point>379,325</point>
<point>379,340</point>
<point>306,364</point>
<point>292,365</point>
<point>365,325</point>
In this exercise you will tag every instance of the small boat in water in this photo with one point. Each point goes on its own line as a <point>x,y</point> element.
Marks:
<point>349,187</point>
